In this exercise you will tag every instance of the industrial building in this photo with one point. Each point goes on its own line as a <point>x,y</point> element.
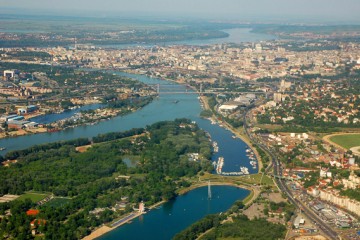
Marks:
<point>5,118</point>
<point>27,109</point>
<point>299,221</point>
<point>10,74</point>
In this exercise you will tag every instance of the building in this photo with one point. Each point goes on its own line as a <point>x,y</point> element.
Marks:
<point>279,97</point>
<point>284,85</point>
<point>228,107</point>
<point>17,124</point>
<point>17,118</point>
<point>353,182</point>
<point>299,221</point>
<point>32,212</point>
<point>10,74</point>
<point>141,207</point>
<point>5,118</point>
<point>258,48</point>
<point>27,109</point>
<point>333,196</point>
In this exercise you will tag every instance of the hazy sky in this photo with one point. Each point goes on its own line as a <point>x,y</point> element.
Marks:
<point>333,10</point>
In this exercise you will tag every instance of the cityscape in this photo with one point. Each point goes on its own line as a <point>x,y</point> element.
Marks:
<point>178,123</point>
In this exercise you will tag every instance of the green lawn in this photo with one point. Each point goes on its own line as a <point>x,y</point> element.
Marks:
<point>255,179</point>
<point>35,197</point>
<point>347,140</point>
<point>249,179</point>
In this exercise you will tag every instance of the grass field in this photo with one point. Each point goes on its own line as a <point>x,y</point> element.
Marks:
<point>248,179</point>
<point>347,140</point>
<point>35,197</point>
<point>255,179</point>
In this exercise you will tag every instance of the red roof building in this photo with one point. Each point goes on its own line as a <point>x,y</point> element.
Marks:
<point>32,212</point>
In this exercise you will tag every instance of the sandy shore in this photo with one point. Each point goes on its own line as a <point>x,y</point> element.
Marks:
<point>98,232</point>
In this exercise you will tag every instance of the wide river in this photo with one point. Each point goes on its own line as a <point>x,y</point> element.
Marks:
<point>162,108</point>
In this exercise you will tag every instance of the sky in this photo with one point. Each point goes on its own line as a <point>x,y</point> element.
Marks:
<point>280,10</point>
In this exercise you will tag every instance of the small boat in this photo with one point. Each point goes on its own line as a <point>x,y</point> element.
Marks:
<point>2,148</point>
<point>176,101</point>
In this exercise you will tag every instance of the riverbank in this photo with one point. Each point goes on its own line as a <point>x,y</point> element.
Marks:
<point>22,132</point>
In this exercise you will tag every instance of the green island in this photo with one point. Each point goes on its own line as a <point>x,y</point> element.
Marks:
<point>95,186</point>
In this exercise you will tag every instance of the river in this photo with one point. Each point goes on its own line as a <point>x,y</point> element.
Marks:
<point>176,215</point>
<point>185,209</point>
<point>162,108</point>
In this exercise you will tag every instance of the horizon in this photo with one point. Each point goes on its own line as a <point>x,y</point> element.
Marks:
<point>328,12</point>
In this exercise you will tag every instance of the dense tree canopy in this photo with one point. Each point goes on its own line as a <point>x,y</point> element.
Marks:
<point>92,179</point>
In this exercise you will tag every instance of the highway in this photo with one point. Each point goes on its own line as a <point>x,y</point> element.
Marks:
<point>326,229</point>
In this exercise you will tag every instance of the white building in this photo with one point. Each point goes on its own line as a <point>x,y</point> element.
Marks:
<point>353,182</point>
<point>9,74</point>
<point>333,196</point>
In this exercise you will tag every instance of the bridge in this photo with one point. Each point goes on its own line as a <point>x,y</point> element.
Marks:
<point>162,89</point>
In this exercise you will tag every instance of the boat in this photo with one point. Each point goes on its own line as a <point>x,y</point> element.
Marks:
<point>176,101</point>
<point>2,148</point>
<point>244,170</point>
<point>219,165</point>
<point>215,146</point>
<point>253,164</point>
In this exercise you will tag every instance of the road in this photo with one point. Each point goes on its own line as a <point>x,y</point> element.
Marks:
<point>326,229</point>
